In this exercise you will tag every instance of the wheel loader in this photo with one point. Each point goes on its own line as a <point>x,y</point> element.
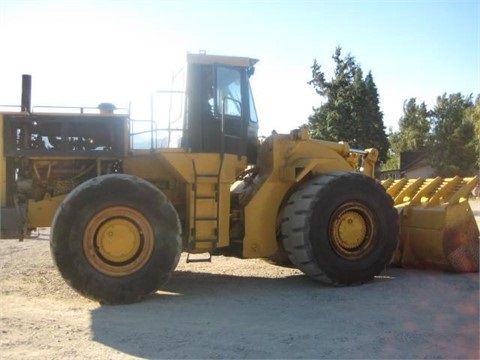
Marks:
<point>125,194</point>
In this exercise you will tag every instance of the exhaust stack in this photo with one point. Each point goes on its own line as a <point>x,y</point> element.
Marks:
<point>26,104</point>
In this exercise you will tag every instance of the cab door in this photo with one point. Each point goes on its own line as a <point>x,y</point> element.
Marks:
<point>229,108</point>
<point>219,110</point>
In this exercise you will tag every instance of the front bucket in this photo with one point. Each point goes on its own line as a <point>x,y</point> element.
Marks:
<point>437,225</point>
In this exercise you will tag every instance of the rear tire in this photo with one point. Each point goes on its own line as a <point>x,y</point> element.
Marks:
<point>116,239</point>
<point>340,228</point>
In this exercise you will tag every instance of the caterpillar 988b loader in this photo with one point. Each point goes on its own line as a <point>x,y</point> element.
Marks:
<point>124,197</point>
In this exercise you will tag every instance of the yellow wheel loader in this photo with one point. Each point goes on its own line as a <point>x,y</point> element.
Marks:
<point>125,193</point>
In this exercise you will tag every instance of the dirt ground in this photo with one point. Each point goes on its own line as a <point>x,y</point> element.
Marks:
<point>233,308</point>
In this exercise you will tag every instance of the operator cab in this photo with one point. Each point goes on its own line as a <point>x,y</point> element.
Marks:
<point>220,112</point>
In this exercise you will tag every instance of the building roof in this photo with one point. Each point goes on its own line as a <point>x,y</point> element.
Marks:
<point>412,159</point>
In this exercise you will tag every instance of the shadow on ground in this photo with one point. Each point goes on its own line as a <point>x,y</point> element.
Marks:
<point>402,314</point>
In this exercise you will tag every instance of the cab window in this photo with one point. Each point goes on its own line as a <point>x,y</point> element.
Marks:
<point>253,111</point>
<point>229,94</point>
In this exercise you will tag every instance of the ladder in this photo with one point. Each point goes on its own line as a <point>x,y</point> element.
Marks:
<point>206,211</point>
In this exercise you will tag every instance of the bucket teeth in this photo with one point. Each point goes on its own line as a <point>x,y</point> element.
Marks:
<point>430,191</point>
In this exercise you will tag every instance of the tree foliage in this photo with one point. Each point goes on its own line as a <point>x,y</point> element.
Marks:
<point>473,115</point>
<point>414,127</point>
<point>413,134</point>
<point>453,146</point>
<point>449,134</point>
<point>351,112</point>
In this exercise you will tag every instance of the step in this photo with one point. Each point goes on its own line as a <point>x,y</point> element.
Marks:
<point>206,197</point>
<point>199,257</point>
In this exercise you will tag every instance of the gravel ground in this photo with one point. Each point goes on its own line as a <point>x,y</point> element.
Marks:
<point>233,308</point>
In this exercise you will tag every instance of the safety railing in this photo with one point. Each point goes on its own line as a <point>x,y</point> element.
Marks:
<point>61,109</point>
<point>164,129</point>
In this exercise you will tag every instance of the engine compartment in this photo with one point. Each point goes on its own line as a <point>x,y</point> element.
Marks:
<point>48,155</point>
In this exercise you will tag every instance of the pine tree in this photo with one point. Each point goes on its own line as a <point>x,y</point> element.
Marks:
<point>414,127</point>
<point>351,112</point>
<point>373,129</point>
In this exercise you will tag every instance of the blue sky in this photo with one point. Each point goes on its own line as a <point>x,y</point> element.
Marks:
<point>81,53</point>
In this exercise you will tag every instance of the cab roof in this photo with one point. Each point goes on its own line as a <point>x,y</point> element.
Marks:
<point>220,59</point>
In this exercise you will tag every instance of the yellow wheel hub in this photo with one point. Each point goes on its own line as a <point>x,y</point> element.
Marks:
<point>352,230</point>
<point>118,241</point>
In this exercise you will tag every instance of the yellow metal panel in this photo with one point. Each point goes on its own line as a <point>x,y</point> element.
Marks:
<point>260,220</point>
<point>181,163</point>
<point>178,165</point>
<point>423,248</point>
<point>147,166</point>
<point>433,238</point>
<point>40,213</point>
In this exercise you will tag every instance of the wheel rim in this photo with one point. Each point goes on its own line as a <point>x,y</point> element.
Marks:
<point>352,230</point>
<point>118,241</point>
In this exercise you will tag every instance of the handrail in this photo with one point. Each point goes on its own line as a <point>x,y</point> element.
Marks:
<point>13,106</point>
<point>168,125</point>
<point>171,92</point>
<point>79,109</point>
<point>153,129</point>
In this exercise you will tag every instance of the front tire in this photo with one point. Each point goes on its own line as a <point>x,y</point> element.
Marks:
<point>115,239</point>
<point>340,228</point>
